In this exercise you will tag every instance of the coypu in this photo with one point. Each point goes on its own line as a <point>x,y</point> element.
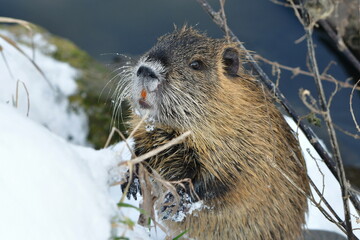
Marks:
<point>243,160</point>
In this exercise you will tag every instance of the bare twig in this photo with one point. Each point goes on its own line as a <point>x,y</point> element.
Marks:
<point>6,62</point>
<point>26,25</point>
<point>338,220</point>
<point>328,120</point>
<point>157,150</point>
<point>327,68</point>
<point>333,95</point>
<point>223,16</point>
<point>355,136</point>
<point>322,174</point>
<point>27,96</point>
<point>113,130</point>
<point>304,94</point>
<point>296,71</point>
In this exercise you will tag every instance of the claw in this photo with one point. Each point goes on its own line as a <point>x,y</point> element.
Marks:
<point>134,187</point>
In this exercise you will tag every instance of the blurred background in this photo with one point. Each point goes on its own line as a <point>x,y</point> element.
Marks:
<point>107,28</point>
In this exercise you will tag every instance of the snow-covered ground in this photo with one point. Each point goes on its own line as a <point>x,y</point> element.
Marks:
<point>45,99</point>
<point>53,189</point>
<point>50,187</point>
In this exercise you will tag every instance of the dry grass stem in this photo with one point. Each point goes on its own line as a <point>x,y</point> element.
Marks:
<point>25,24</point>
<point>311,197</point>
<point>14,44</point>
<point>27,96</point>
<point>157,150</point>
<point>322,175</point>
<point>308,25</point>
<point>339,222</point>
<point>6,63</point>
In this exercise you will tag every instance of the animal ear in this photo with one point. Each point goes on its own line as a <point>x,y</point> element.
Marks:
<point>231,61</point>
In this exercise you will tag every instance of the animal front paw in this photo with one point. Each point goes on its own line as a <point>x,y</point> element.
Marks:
<point>133,185</point>
<point>175,209</point>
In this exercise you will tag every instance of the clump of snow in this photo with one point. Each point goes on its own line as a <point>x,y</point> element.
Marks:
<point>150,128</point>
<point>187,207</point>
<point>51,189</point>
<point>332,192</point>
<point>22,84</point>
<point>37,40</point>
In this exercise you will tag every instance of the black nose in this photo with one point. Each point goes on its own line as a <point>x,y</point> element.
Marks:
<point>145,72</point>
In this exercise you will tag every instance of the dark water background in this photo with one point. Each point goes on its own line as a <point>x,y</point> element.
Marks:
<point>132,26</point>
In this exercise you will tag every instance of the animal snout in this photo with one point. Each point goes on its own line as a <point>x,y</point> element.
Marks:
<point>146,72</point>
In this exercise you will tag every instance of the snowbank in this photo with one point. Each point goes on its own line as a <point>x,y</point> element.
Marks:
<point>51,189</point>
<point>47,96</point>
<point>48,188</point>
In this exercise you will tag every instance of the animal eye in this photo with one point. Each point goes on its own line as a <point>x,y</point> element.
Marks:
<point>196,65</point>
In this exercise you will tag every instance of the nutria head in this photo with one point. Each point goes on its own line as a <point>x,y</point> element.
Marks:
<point>176,79</point>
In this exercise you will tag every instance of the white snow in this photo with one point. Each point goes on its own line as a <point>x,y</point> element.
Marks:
<point>48,190</point>
<point>51,189</point>
<point>49,104</point>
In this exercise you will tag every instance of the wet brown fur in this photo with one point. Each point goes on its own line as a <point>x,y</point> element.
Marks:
<point>241,141</point>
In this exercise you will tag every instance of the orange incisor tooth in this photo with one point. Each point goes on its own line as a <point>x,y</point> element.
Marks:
<point>143,93</point>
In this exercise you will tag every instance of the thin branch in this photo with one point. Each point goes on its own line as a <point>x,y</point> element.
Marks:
<point>355,136</point>
<point>6,62</point>
<point>328,121</point>
<point>338,220</point>
<point>223,16</point>
<point>336,90</point>
<point>157,150</point>
<point>304,94</point>
<point>296,71</point>
<point>113,130</point>
<point>17,96</point>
